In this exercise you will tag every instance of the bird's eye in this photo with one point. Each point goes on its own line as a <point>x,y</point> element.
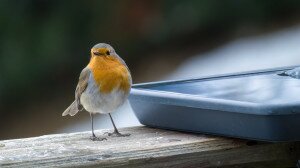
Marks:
<point>107,52</point>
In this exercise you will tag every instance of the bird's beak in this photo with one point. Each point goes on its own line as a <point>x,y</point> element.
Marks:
<point>97,53</point>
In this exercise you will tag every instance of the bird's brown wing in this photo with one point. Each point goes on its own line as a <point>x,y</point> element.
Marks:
<point>82,85</point>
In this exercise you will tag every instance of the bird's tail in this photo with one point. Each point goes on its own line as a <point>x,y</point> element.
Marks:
<point>71,110</point>
<point>282,74</point>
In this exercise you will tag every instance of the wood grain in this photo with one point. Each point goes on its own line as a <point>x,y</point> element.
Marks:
<point>146,147</point>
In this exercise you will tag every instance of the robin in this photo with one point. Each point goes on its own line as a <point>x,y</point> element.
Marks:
<point>103,86</point>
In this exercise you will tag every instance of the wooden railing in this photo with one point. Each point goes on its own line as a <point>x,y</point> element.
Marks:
<point>146,147</point>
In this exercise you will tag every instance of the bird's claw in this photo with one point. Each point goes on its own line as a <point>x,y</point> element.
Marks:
<point>94,138</point>
<point>116,134</point>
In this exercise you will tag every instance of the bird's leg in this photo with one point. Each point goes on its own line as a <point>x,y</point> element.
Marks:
<point>116,132</point>
<point>92,121</point>
<point>94,137</point>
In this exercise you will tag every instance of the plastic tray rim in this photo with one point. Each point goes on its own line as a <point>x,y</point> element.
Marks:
<point>143,92</point>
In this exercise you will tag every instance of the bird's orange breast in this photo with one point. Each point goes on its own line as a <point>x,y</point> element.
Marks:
<point>109,74</point>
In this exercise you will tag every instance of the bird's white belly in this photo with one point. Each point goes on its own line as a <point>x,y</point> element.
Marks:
<point>95,102</point>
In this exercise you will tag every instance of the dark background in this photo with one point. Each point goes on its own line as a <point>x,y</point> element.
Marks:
<point>45,44</point>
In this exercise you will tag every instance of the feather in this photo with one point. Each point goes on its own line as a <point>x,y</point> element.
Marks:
<point>71,110</point>
<point>81,86</point>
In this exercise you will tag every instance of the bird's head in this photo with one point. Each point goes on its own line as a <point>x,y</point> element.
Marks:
<point>103,54</point>
<point>102,49</point>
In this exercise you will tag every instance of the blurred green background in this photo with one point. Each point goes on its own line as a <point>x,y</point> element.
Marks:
<point>44,44</point>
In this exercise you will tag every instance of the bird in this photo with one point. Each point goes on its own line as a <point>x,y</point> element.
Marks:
<point>103,86</point>
<point>294,73</point>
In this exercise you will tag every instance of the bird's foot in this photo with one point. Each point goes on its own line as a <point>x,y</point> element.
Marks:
<point>116,134</point>
<point>95,138</point>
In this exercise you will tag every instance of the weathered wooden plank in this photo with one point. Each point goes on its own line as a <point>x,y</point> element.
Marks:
<point>146,147</point>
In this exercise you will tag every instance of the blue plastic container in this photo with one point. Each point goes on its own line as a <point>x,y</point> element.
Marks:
<point>258,105</point>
